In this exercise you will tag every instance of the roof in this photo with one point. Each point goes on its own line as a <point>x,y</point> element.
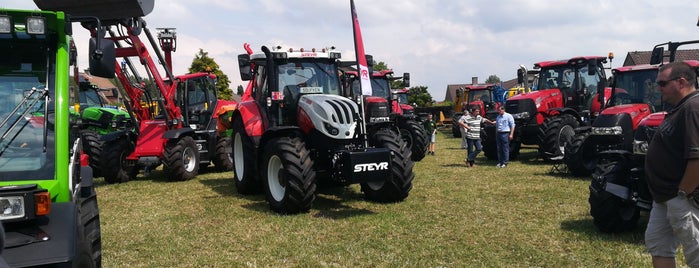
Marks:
<point>451,89</point>
<point>545,64</point>
<point>643,57</point>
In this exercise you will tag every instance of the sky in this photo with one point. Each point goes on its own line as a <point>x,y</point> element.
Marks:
<point>439,42</point>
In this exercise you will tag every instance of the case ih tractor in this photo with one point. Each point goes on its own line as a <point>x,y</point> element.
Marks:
<point>298,130</point>
<point>618,190</point>
<point>411,131</point>
<point>50,212</point>
<point>633,97</point>
<point>487,98</point>
<point>177,126</point>
<point>565,100</point>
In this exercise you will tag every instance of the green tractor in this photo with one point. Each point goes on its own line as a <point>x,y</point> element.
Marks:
<point>49,204</point>
<point>98,118</point>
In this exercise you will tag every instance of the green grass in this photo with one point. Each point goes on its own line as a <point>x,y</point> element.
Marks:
<point>521,216</point>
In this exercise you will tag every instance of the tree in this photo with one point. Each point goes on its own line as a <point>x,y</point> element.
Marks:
<point>419,96</point>
<point>240,90</point>
<point>493,79</point>
<point>203,63</point>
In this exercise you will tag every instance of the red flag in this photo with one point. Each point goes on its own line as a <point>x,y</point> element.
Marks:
<point>364,75</point>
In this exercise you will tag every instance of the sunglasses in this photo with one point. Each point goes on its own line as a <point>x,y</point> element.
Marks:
<point>663,83</point>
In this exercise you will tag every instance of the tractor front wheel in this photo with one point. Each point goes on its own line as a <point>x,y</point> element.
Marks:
<point>579,158</point>
<point>243,152</point>
<point>181,159</point>
<point>611,213</point>
<point>555,133</point>
<point>416,138</point>
<point>223,159</point>
<point>92,145</point>
<point>396,187</point>
<point>287,170</point>
<point>113,166</point>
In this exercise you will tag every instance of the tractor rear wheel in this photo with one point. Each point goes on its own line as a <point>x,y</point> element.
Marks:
<point>181,159</point>
<point>415,137</point>
<point>287,170</point>
<point>243,152</point>
<point>397,187</point>
<point>579,158</point>
<point>223,159</point>
<point>555,133</point>
<point>91,239</point>
<point>611,213</point>
<point>490,147</point>
<point>92,145</point>
<point>113,166</point>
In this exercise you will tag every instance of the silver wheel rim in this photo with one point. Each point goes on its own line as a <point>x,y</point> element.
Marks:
<point>274,181</point>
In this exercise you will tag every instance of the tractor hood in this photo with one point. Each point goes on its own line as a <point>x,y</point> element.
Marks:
<point>653,120</point>
<point>334,116</point>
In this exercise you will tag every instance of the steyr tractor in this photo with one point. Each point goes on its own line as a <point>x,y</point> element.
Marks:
<point>97,119</point>
<point>298,129</point>
<point>49,205</point>
<point>633,97</point>
<point>618,190</point>
<point>565,100</point>
<point>411,131</point>
<point>175,115</point>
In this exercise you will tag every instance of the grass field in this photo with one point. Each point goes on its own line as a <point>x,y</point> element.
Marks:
<point>521,216</point>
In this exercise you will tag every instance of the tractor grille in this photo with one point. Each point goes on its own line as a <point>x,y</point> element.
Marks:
<point>344,111</point>
<point>377,109</point>
<point>519,106</point>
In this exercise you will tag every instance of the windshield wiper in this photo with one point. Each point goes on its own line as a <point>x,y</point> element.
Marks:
<point>35,95</point>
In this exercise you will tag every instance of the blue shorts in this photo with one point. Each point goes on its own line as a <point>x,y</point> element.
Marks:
<point>673,223</point>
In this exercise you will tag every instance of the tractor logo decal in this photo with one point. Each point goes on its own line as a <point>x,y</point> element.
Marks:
<point>370,167</point>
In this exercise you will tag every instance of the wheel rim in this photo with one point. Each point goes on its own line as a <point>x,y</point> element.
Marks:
<point>188,159</point>
<point>275,178</point>
<point>238,160</point>
<point>564,137</point>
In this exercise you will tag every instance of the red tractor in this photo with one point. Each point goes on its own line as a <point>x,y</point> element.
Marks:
<point>297,130</point>
<point>633,97</point>
<point>564,100</point>
<point>177,124</point>
<point>618,190</point>
<point>411,131</point>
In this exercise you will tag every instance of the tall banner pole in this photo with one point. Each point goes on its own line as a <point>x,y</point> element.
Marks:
<point>364,75</point>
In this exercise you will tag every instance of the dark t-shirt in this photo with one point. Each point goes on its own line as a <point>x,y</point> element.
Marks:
<point>676,141</point>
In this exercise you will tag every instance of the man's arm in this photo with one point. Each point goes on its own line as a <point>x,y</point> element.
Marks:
<point>690,180</point>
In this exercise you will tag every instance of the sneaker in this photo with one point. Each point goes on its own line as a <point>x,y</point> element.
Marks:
<point>503,166</point>
<point>498,165</point>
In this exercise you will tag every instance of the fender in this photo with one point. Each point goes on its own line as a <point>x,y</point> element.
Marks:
<point>129,135</point>
<point>178,132</point>
<point>252,120</point>
<point>564,110</point>
<point>626,155</point>
<point>278,132</point>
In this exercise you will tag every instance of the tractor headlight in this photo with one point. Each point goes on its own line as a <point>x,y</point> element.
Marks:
<point>615,130</point>
<point>36,25</point>
<point>640,147</point>
<point>11,207</point>
<point>5,24</point>
<point>522,115</point>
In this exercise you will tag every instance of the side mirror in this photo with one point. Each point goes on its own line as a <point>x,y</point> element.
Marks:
<point>520,76</point>
<point>244,66</point>
<point>656,57</point>
<point>591,67</point>
<point>102,58</point>
<point>370,60</point>
<point>406,79</point>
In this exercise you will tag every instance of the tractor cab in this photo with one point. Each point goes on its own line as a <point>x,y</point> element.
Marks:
<point>483,97</point>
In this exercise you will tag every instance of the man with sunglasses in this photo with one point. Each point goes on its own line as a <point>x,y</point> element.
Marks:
<point>672,169</point>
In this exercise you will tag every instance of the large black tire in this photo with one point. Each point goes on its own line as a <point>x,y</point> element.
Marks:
<point>610,213</point>
<point>91,238</point>
<point>113,166</point>
<point>287,170</point>
<point>223,158</point>
<point>580,158</point>
<point>416,138</point>
<point>181,159</point>
<point>92,146</point>
<point>244,169</point>
<point>555,133</point>
<point>490,147</point>
<point>397,187</point>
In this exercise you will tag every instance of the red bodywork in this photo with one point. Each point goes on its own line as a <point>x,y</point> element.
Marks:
<point>476,94</point>
<point>653,120</point>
